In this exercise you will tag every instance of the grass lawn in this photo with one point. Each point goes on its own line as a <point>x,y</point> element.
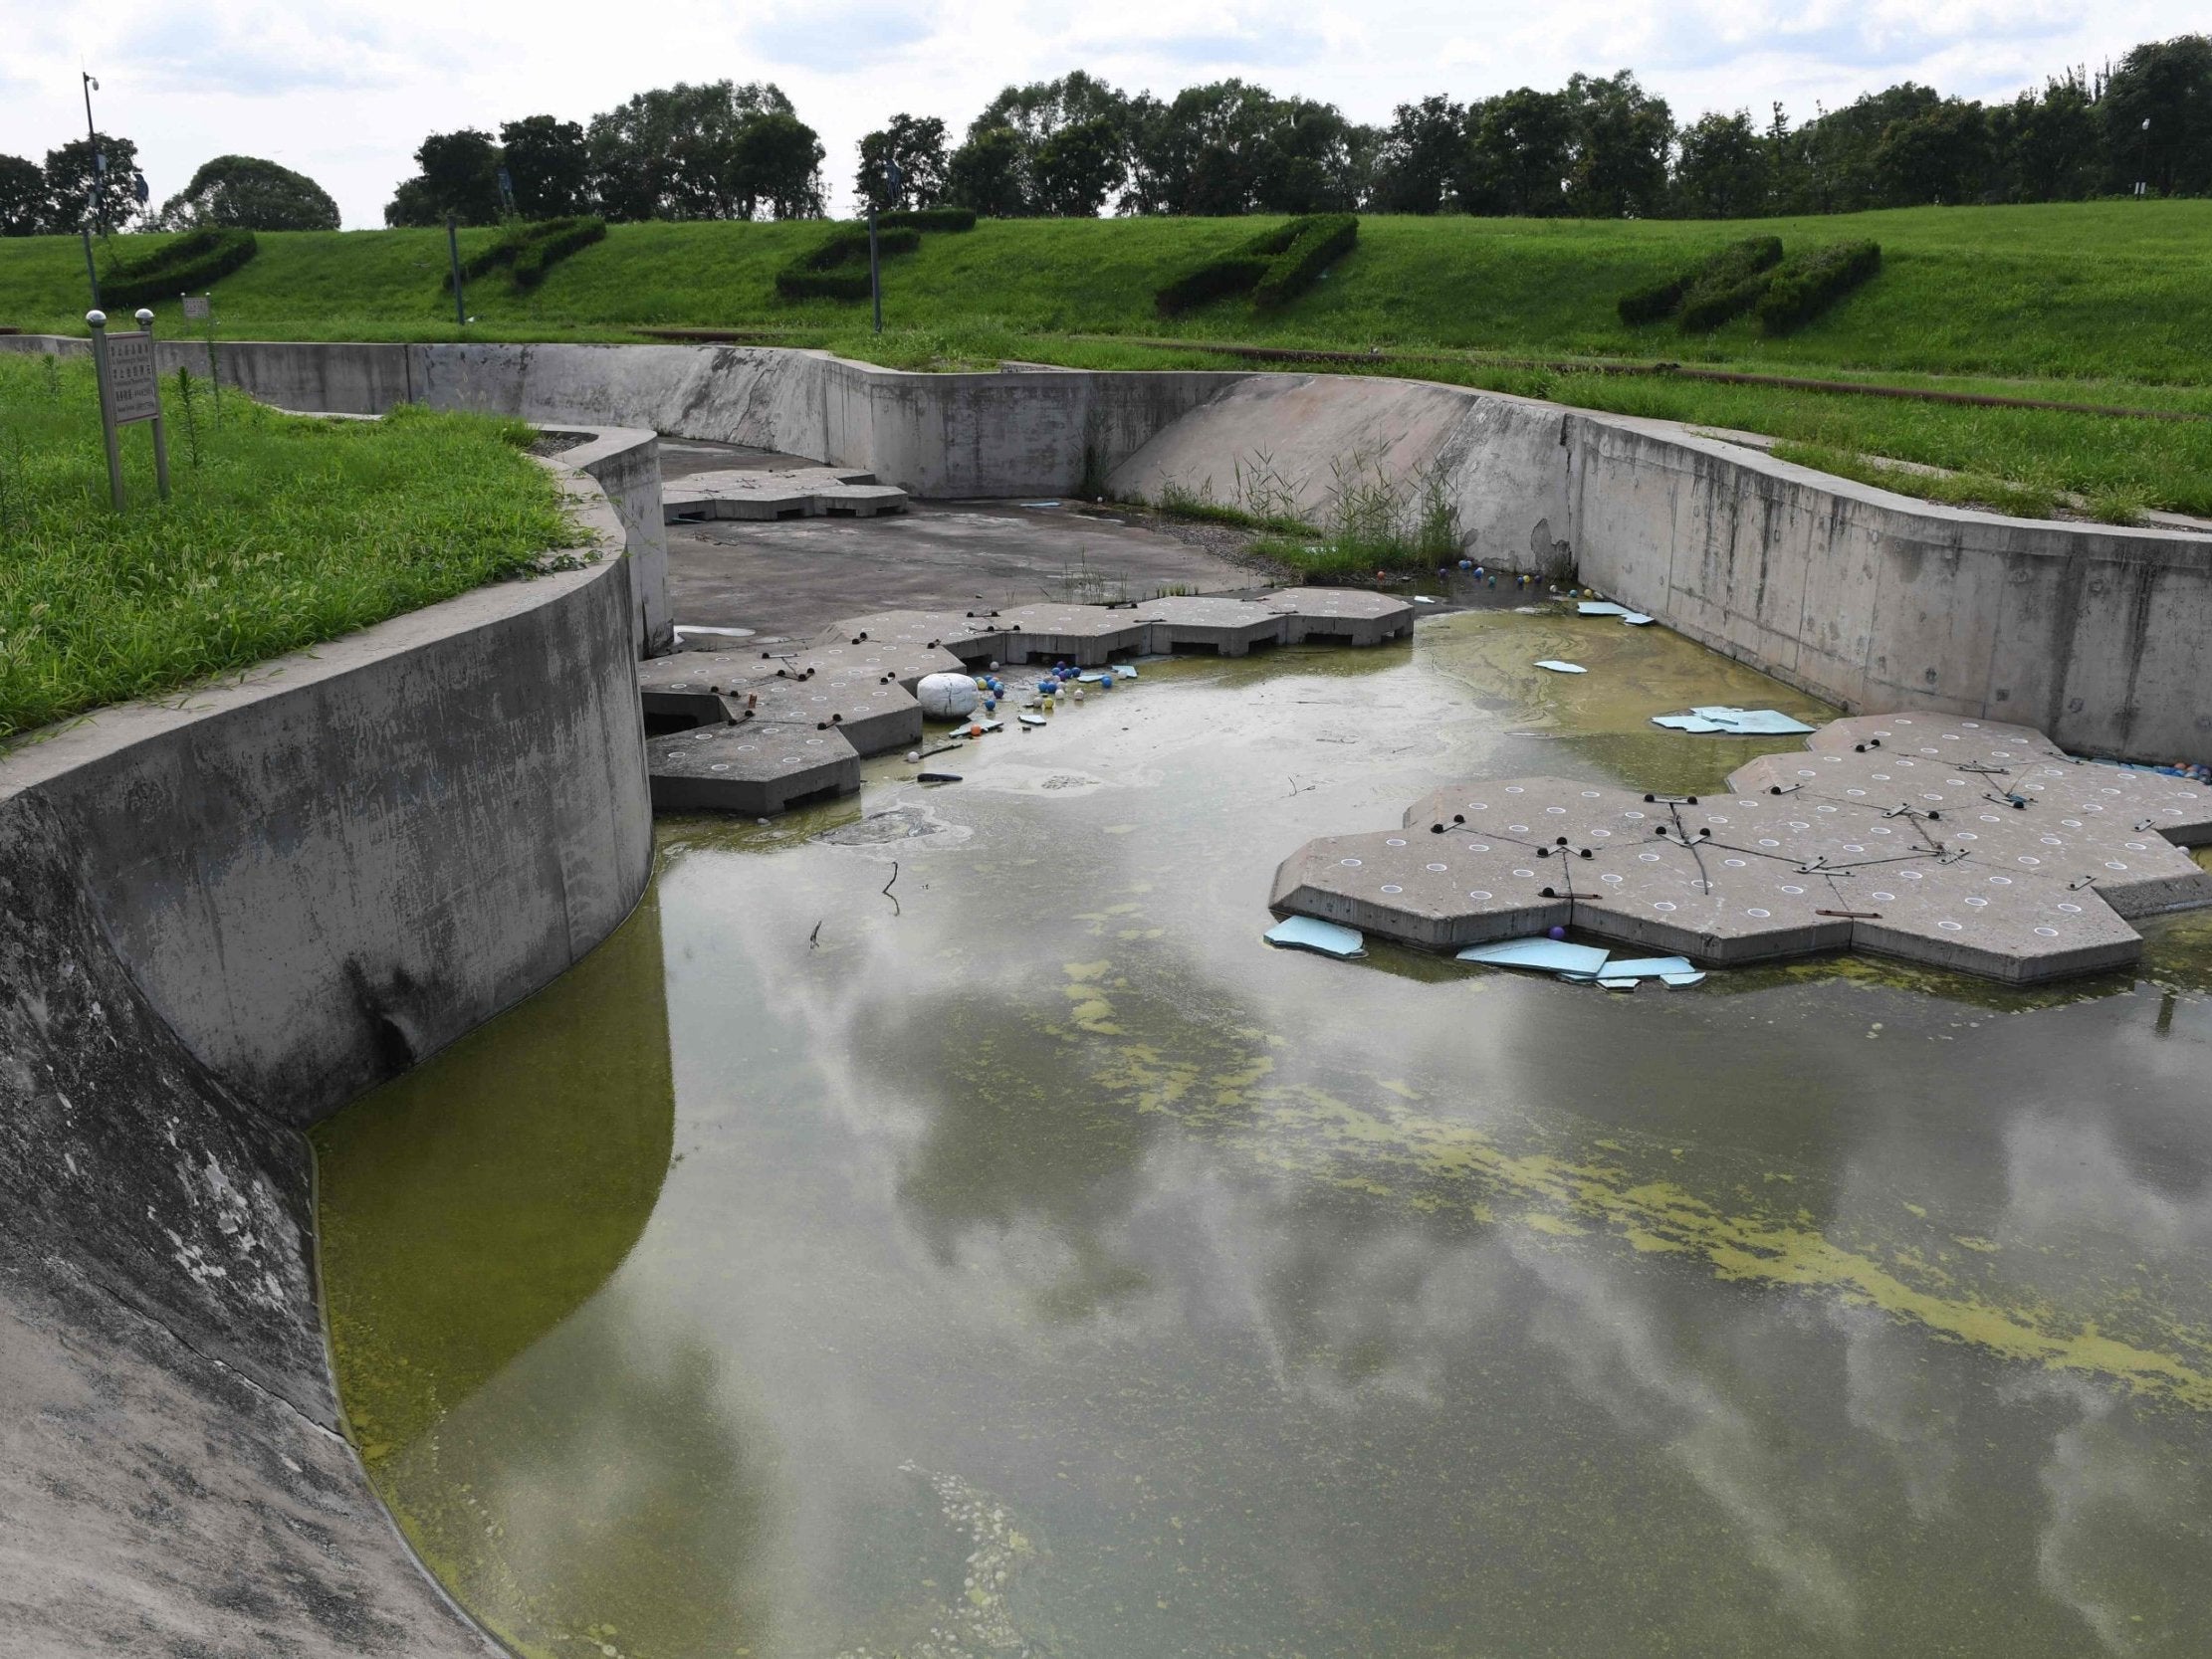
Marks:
<point>2097,301</point>
<point>281,532</point>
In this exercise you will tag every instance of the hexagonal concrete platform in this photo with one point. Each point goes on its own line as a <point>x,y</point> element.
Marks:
<point>1960,843</point>
<point>745,730</point>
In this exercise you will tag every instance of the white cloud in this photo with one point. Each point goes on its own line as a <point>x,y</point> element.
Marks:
<point>345,92</point>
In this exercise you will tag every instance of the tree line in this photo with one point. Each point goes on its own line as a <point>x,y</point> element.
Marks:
<point>1602,147</point>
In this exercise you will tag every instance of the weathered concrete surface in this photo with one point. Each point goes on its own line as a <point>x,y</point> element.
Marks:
<point>1300,444</point>
<point>2101,637</point>
<point>625,463</point>
<point>764,493</point>
<point>1962,844</point>
<point>219,918</point>
<point>792,579</point>
<point>383,841</point>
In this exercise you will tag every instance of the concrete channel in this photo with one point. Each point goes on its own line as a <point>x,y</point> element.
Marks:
<point>224,916</point>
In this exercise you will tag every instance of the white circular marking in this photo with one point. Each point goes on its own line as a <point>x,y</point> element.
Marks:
<point>1389,888</point>
<point>1793,892</point>
<point>1349,863</point>
<point>1758,912</point>
<point>1525,873</point>
<point>1436,866</point>
<point>1394,841</point>
<point>2071,909</point>
<point>1733,863</point>
<point>1883,897</point>
<point>1663,904</point>
<point>1478,894</point>
<point>2046,932</point>
<point>1950,926</point>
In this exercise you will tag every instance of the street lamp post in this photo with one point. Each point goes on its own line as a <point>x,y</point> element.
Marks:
<point>100,159</point>
<point>894,179</point>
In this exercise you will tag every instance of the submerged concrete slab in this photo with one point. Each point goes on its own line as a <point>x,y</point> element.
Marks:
<point>1085,635</point>
<point>1956,843</point>
<point>1230,626</point>
<point>1340,615</point>
<point>759,766</point>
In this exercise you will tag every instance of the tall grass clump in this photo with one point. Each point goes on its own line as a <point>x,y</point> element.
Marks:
<point>286,532</point>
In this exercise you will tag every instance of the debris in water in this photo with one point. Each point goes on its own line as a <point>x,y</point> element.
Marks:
<point>1303,933</point>
<point>1558,666</point>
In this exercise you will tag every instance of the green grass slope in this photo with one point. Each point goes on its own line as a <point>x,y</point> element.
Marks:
<point>2098,301</point>
<point>2105,290</point>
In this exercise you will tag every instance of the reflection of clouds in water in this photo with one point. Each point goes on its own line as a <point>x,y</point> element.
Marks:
<point>1892,1394</point>
<point>2062,1176</point>
<point>1620,1354</point>
<point>2124,1531</point>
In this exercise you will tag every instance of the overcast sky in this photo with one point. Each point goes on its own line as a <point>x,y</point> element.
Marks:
<point>345,93</point>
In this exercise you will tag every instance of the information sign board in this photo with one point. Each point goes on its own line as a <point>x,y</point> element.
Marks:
<point>134,386</point>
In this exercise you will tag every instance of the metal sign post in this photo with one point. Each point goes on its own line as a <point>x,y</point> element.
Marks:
<point>200,307</point>
<point>92,271</point>
<point>99,323</point>
<point>453,253</point>
<point>129,391</point>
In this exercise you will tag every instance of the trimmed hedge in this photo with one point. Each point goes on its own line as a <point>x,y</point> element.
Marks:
<point>837,269</point>
<point>527,251</point>
<point>1726,272</point>
<point>192,260</point>
<point>1275,267</point>
<point>950,220</point>
<point>1325,239</point>
<point>1811,283</point>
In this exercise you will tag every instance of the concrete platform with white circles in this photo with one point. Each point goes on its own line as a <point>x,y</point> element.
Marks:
<point>1958,842</point>
<point>747,729</point>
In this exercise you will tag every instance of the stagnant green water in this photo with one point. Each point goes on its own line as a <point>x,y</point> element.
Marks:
<point>1030,1261</point>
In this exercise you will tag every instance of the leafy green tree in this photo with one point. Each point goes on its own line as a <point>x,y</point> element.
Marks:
<point>76,183</point>
<point>456,173</point>
<point>779,168</point>
<point>22,196</point>
<point>1942,155</point>
<point>2049,148</point>
<point>1722,168</point>
<point>1518,154</point>
<point>251,193</point>
<point>1231,148</point>
<point>1078,167</point>
<point>916,146</point>
<point>1042,108</point>
<point>692,152</point>
<point>990,173</point>
<point>548,167</point>
<point>1622,138</point>
<point>2158,118</point>
<point>1418,157</point>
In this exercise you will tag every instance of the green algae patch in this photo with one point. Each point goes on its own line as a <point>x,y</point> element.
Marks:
<point>1388,1152</point>
<point>469,1207</point>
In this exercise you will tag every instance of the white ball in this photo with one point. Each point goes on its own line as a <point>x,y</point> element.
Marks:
<point>946,697</point>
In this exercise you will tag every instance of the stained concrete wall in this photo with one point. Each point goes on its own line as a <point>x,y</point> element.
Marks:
<point>1873,601</point>
<point>937,435</point>
<point>219,918</point>
<point>1308,441</point>
<point>2101,637</point>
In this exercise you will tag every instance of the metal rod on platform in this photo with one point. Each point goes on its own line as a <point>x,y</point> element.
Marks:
<point>453,252</point>
<point>99,324</point>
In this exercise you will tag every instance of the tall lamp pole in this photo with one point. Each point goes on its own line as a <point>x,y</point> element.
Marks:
<point>894,180</point>
<point>100,159</point>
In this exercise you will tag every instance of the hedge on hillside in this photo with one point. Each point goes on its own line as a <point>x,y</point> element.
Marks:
<point>1724,286</point>
<point>1326,238</point>
<point>190,263</point>
<point>1275,267</point>
<point>528,250</point>
<point>950,220</point>
<point>1811,283</point>
<point>837,269</point>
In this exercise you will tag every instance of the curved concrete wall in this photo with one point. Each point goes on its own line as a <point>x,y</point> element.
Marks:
<point>220,917</point>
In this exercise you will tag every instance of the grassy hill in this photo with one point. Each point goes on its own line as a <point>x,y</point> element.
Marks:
<point>2103,302</point>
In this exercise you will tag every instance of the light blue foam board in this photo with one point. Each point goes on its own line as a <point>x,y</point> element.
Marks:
<point>1303,933</point>
<point>1550,955</point>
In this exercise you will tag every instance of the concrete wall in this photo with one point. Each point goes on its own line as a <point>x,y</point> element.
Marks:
<point>1500,461</point>
<point>1876,601</point>
<point>220,917</point>
<point>2101,637</point>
